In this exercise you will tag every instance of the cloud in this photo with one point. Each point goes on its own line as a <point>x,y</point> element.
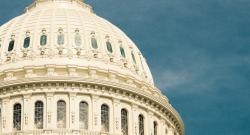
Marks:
<point>170,79</point>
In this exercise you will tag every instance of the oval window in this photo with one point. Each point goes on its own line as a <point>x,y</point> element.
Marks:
<point>43,40</point>
<point>11,45</point>
<point>94,43</point>
<point>26,42</point>
<point>109,47</point>
<point>133,57</point>
<point>122,52</point>
<point>60,39</point>
<point>78,39</point>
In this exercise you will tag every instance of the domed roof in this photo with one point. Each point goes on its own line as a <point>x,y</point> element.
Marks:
<point>67,32</point>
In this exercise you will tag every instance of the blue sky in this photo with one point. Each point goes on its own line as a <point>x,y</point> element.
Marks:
<point>198,51</point>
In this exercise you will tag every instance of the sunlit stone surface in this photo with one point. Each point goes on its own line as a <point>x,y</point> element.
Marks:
<point>66,71</point>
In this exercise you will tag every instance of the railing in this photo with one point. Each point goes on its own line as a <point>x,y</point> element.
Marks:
<point>58,132</point>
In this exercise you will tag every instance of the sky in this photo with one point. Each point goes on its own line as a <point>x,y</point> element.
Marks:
<point>198,52</point>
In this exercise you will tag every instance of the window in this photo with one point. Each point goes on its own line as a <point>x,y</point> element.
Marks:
<point>83,115</point>
<point>61,114</point>
<point>141,125</point>
<point>109,47</point>
<point>43,40</point>
<point>94,43</point>
<point>11,45</point>
<point>26,42</point>
<point>122,52</point>
<point>105,118</point>
<point>60,37</point>
<point>78,39</point>
<point>17,117</point>
<point>155,127</point>
<point>39,115</point>
<point>133,57</point>
<point>124,121</point>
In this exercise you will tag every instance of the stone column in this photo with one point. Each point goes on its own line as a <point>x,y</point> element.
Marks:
<point>117,116</point>
<point>96,113</point>
<point>149,128</point>
<point>6,115</point>
<point>171,131</point>
<point>73,111</point>
<point>0,117</point>
<point>50,116</point>
<point>28,113</point>
<point>162,127</point>
<point>135,123</point>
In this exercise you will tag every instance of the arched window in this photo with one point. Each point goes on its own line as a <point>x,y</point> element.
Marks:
<point>105,118</point>
<point>109,47</point>
<point>61,114</point>
<point>26,42</point>
<point>78,39</point>
<point>17,117</point>
<point>60,37</point>
<point>83,115</point>
<point>11,45</point>
<point>94,43</point>
<point>141,124</point>
<point>155,128</point>
<point>122,52</point>
<point>39,115</point>
<point>43,40</point>
<point>133,57</point>
<point>124,121</point>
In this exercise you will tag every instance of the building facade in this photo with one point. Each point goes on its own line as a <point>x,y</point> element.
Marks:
<point>66,71</point>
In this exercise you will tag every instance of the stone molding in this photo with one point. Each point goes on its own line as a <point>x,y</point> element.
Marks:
<point>96,87</point>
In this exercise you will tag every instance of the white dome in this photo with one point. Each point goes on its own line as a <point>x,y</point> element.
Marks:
<point>50,18</point>
<point>64,70</point>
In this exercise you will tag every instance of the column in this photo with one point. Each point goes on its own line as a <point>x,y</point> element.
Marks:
<point>162,127</point>
<point>135,127</point>
<point>96,113</point>
<point>171,131</point>
<point>50,116</point>
<point>149,126</point>
<point>0,116</point>
<point>27,112</point>
<point>6,115</point>
<point>117,116</point>
<point>73,111</point>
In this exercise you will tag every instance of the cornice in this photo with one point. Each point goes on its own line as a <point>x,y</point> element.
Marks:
<point>159,103</point>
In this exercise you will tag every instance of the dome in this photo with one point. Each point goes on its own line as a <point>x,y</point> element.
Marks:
<point>65,70</point>
<point>87,40</point>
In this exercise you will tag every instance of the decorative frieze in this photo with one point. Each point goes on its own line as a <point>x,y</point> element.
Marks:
<point>95,89</point>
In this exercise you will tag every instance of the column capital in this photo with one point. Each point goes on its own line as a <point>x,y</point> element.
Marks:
<point>150,113</point>
<point>95,97</point>
<point>72,94</point>
<point>116,101</point>
<point>134,106</point>
<point>27,96</point>
<point>50,94</point>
